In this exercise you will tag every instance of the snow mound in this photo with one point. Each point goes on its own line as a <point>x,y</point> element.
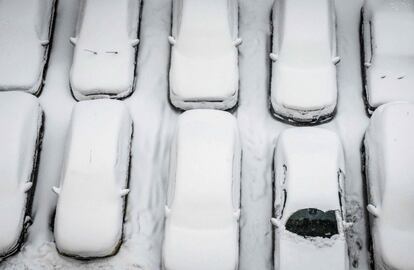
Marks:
<point>389,55</point>
<point>89,212</point>
<point>389,152</point>
<point>105,48</point>
<point>304,87</point>
<point>21,120</point>
<point>204,58</point>
<point>25,27</point>
<point>202,228</point>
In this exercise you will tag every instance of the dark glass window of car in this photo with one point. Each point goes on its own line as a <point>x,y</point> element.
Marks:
<point>312,222</point>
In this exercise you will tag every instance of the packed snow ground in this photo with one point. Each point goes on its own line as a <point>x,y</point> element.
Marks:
<point>154,122</point>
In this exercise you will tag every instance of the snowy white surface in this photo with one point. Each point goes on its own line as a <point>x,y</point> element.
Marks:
<point>204,59</point>
<point>20,119</point>
<point>389,151</point>
<point>90,207</point>
<point>105,42</point>
<point>202,212</point>
<point>389,56</point>
<point>309,163</point>
<point>24,42</point>
<point>155,120</point>
<point>303,86</point>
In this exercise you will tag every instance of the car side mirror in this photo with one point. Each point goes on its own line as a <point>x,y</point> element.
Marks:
<point>73,40</point>
<point>172,40</point>
<point>237,42</point>
<point>373,210</point>
<point>275,222</point>
<point>27,186</point>
<point>134,42</point>
<point>273,57</point>
<point>124,192</point>
<point>56,190</point>
<point>336,60</point>
<point>236,214</point>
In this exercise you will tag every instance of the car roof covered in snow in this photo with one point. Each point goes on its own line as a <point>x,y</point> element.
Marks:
<point>89,212</point>
<point>24,27</point>
<point>313,158</point>
<point>20,119</point>
<point>390,152</point>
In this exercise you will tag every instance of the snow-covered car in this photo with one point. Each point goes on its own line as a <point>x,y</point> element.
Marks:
<point>26,29</point>
<point>309,201</point>
<point>304,55</point>
<point>21,119</point>
<point>203,204</point>
<point>389,155</point>
<point>92,189</point>
<point>204,69</point>
<point>388,58</point>
<point>105,41</point>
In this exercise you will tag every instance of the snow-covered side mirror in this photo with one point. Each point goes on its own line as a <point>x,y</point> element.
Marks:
<point>44,42</point>
<point>167,211</point>
<point>27,186</point>
<point>56,190</point>
<point>336,60</point>
<point>275,222</point>
<point>373,210</point>
<point>237,42</point>
<point>273,57</point>
<point>134,42</point>
<point>172,40</point>
<point>367,64</point>
<point>73,40</point>
<point>236,214</point>
<point>124,192</point>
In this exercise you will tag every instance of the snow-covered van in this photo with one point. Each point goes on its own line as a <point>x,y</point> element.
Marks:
<point>203,204</point>
<point>304,55</point>
<point>26,29</point>
<point>388,58</point>
<point>92,189</point>
<point>204,69</point>
<point>21,119</point>
<point>309,201</point>
<point>389,155</point>
<point>105,41</point>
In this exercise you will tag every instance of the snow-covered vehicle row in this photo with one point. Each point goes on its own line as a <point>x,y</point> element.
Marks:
<point>203,203</point>
<point>90,208</point>
<point>204,56</point>
<point>21,119</point>
<point>388,38</point>
<point>304,54</point>
<point>389,155</point>
<point>105,41</point>
<point>26,28</point>
<point>309,215</point>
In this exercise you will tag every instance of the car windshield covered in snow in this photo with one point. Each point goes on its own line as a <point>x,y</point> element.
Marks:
<point>313,222</point>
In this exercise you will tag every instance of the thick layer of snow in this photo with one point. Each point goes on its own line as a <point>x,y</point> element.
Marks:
<point>106,41</point>
<point>204,58</point>
<point>304,86</point>
<point>309,163</point>
<point>89,212</point>
<point>389,150</point>
<point>21,120</point>
<point>202,212</point>
<point>389,56</point>
<point>25,32</point>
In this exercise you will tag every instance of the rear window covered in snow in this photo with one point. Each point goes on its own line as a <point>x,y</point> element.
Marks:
<point>312,222</point>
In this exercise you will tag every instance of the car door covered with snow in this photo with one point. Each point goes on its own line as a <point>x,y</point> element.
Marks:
<point>303,84</point>
<point>26,28</point>
<point>204,57</point>
<point>202,211</point>
<point>91,193</point>
<point>21,119</point>
<point>309,201</point>
<point>105,41</point>
<point>389,155</point>
<point>388,39</point>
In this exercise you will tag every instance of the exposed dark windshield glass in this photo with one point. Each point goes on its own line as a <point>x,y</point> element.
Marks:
<point>313,223</point>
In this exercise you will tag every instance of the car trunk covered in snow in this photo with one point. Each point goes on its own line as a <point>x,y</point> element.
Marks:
<point>105,49</point>
<point>389,150</point>
<point>202,211</point>
<point>21,121</point>
<point>204,57</point>
<point>89,213</point>
<point>25,27</point>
